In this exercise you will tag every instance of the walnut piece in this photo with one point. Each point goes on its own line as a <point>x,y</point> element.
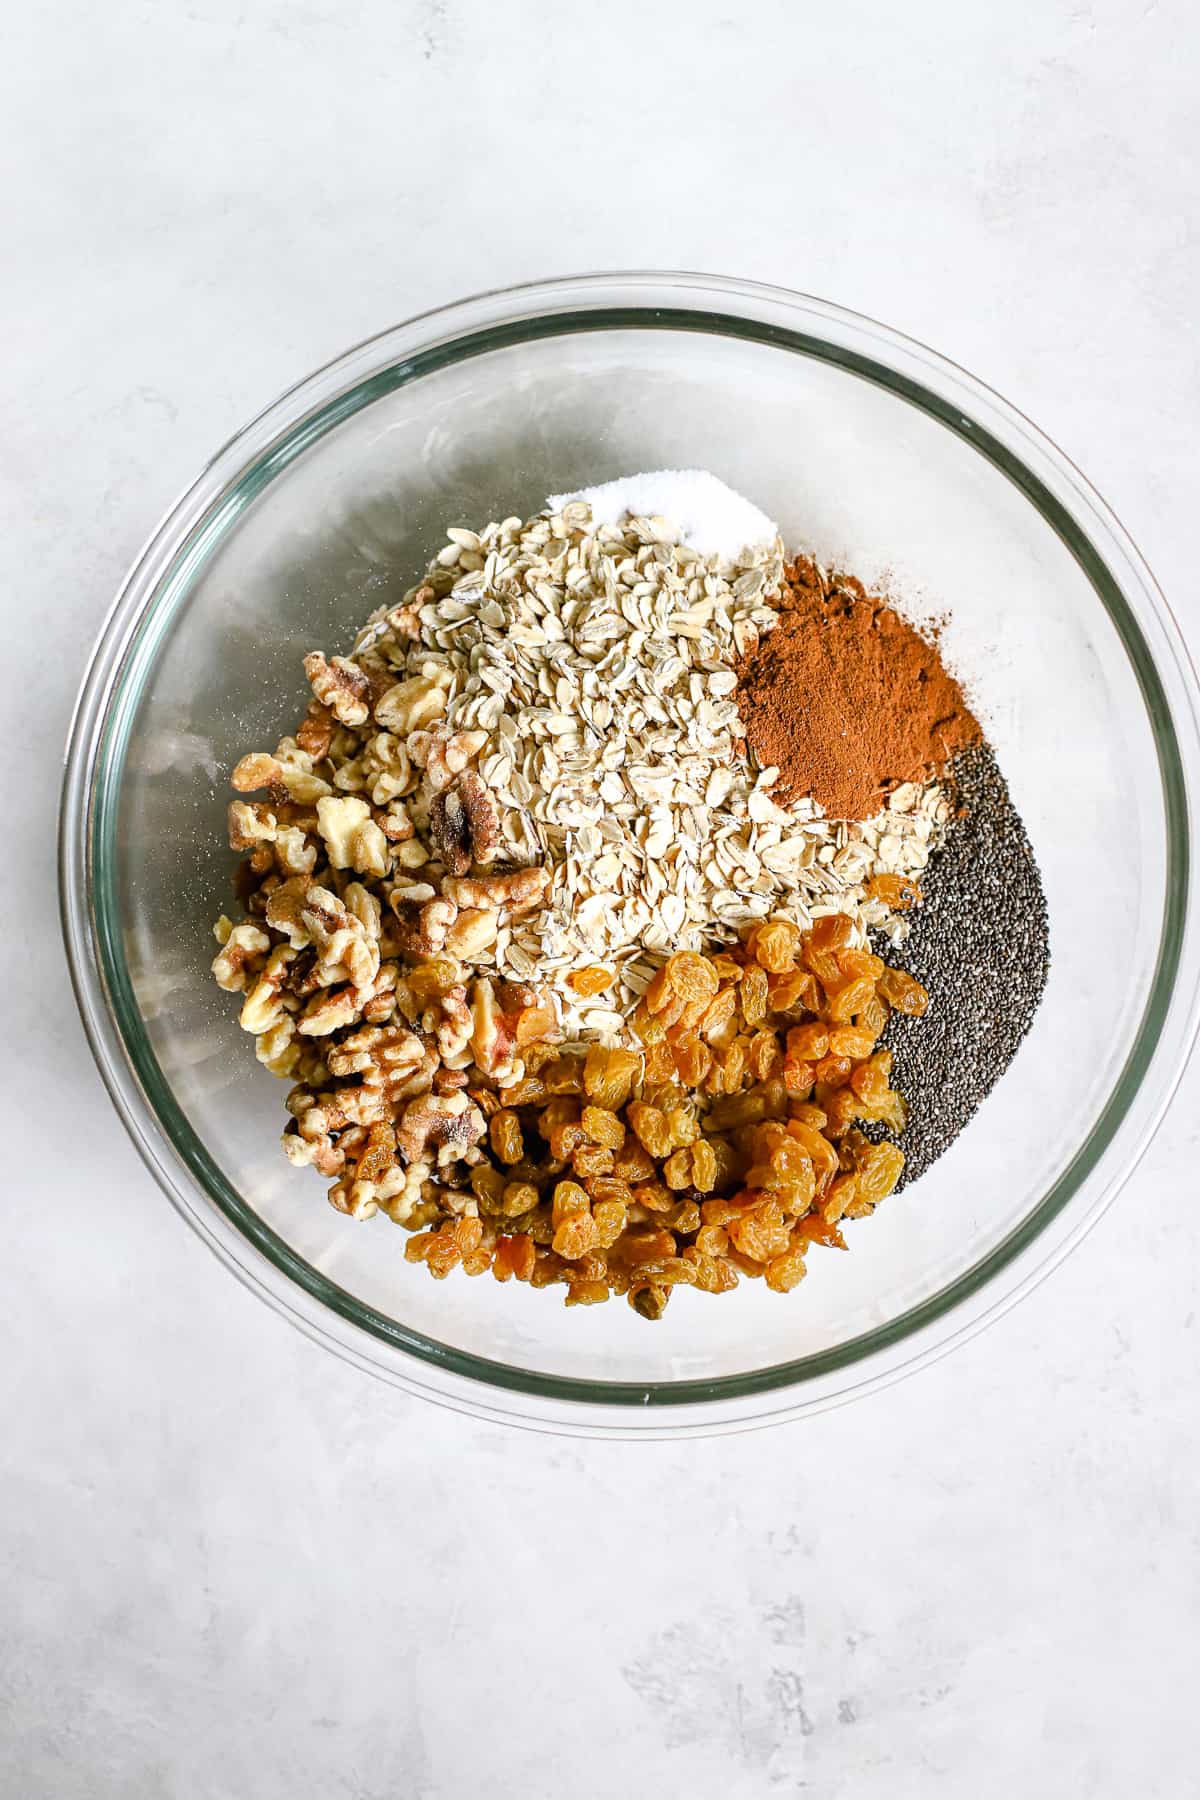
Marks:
<point>464,824</point>
<point>447,1123</point>
<point>447,756</point>
<point>352,838</point>
<point>340,685</point>
<point>473,932</point>
<point>516,893</point>
<point>241,955</point>
<point>421,928</point>
<point>413,705</point>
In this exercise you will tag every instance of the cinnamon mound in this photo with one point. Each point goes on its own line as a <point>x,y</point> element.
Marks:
<point>846,699</point>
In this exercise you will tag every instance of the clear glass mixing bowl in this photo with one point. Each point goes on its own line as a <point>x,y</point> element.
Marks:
<point>872,452</point>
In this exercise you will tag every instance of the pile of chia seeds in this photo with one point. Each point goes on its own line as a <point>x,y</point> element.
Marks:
<point>980,944</point>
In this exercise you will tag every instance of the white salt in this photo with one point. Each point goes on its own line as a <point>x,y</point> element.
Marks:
<point>706,514</point>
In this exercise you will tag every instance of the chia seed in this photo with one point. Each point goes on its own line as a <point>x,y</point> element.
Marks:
<point>980,943</point>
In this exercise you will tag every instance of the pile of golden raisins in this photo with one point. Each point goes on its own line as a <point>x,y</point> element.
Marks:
<point>725,1145</point>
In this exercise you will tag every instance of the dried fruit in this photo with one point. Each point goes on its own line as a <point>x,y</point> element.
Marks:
<point>608,1076</point>
<point>504,1132</point>
<point>593,980</point>
<point>774,945</point>
<point>603,1127</point>
<point>651,1127</point>
<point>896,891</point>
<point>903,992</point>
<point>691,976</point>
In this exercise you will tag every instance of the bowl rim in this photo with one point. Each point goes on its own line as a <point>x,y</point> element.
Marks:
<point>178,548</point>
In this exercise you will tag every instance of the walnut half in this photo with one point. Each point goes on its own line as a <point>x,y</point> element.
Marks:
<point>463,823</point>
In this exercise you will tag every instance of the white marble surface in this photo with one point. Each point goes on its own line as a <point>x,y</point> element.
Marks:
<point>230,1566</point>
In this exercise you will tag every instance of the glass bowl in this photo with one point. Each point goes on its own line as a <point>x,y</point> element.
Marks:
<point>873,453</point>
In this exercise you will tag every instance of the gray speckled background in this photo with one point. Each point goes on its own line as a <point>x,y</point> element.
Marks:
<point>229,1565</point>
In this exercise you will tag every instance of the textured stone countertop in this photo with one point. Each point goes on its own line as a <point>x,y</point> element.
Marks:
<point>232,1566</point>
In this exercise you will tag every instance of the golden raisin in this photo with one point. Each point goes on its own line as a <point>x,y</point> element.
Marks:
<point>752,995</point>
<point>704,1166</point>
<point>842,1107</point>
<point>575,1236</point>
<point>798,1078</point>
<point>430,980</point>
<point>604,1188</point>
<point>603,1127</point>
<point>691,976</point>
<point>774,944</point>
<point>651,1128</point>
<point>519,1197</point>
<point>659,1063</point>
<point>569,1198</point>
<point>833,1071</point>
<point>764,1057</point>
<point>592,980</point>
<point>646,1244</point>
<point>562,1077</point>
<point>659,991</point>
<point>693,1060</point>
<point>586,1293</point>
<point>786,1271</point>
<point>649,1027</point>
<point>902,992</point>
<point>712,1240</point>
<point>608,1076</point>
<point>677,1170</point>
<point>898,891</point>
<point>872,1019</point>
<point>860,962</point>
<point>869,1080</point>
<point>815,1230</point>
<point>713,1275</point>
<point>564,1138</point>
<point>795,992</point>
<point>591,1162</point>
<point>718,1013</point>
<point>761,1234</point>
<point>849,997</point>
<point>609,1218</point>
<point>653,1196</point>
<point>514,1256</point>
<point>488,1185</point>
<point>879,1171</point>
<point>504,1131</point>
<point>834,931</point>
<point>633,1162</point>
<point>808,1042</point>
<point>650,1301</point>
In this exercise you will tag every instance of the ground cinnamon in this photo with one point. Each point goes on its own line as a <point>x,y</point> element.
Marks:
<point>846,699</point>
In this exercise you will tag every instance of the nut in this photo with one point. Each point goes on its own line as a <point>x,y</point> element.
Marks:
<point>472,933</point>
<point>422,928</point>
<point>413,705</point>
<point>448,1124</point>
<point>340,685</point>
<point>463,824</point>
<point>353,839</point>
<point>516,893</point>
<point>241,955</point>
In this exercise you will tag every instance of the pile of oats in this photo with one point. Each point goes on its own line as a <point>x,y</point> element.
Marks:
<point>587,672</point>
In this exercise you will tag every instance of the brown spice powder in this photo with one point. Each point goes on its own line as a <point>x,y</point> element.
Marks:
<point>846,699</point>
